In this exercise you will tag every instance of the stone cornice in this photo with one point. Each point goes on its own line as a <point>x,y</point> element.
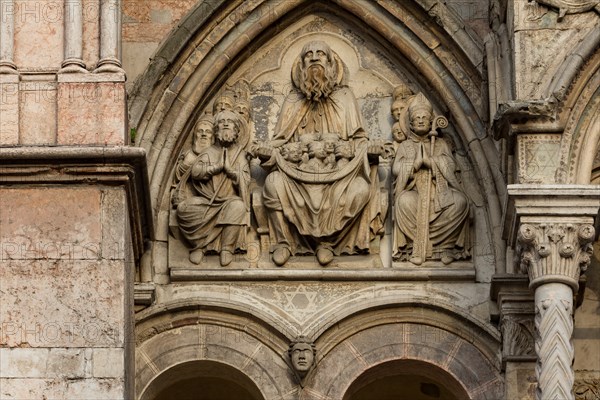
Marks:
<point>112,166</point>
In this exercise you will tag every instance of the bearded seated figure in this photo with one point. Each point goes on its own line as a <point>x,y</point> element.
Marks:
<point>314,206</point>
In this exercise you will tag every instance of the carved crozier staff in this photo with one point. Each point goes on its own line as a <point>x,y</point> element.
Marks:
<point>422,247</point>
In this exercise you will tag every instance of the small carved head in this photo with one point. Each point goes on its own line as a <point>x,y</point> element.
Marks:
<point>343,150</point>
<point>292,152</point>
<point>420,113</point>
<point>225,101</point>
<point>317,150</point>
<point>329,141</point>
<point>229,125</point>
<point>243,109</point>
<point>302,354</point>
<point>397,107</point>
<point>203,134</point>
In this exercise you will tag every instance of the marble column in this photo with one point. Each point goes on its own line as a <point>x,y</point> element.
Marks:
<point>110,36</point>
<point>551,229</point>
<point>7,29</point>
<point>73,61</point>
<point>554,255</point>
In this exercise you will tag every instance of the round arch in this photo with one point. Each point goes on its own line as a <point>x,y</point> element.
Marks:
<point>201,380</point>
<point>428,38</point>
<point>443,346</point>
<point>188,342</point>
<point>405,379</point>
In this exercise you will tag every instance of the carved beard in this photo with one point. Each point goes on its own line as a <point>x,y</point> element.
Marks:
<point>316,83</point>
<point>227,137</point>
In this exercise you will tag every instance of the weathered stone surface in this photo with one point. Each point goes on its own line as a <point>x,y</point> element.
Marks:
<point>91,113</point>
<point>9,110</point>
<point>43,20</point>
<point>37,112</point>
<point>72,231</point>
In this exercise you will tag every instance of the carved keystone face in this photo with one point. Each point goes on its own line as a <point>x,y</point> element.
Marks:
<point>420,122</point>
<point>302,357</point>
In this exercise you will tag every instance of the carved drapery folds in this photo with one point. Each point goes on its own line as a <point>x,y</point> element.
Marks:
<point>317,191</point>
<point>555,252</point>
<point>322,190</point>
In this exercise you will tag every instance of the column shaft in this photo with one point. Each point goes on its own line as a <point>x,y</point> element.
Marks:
<point>554,329</point>
<point>7,29</point>
<point>73,61</point>
<point>110,36</point>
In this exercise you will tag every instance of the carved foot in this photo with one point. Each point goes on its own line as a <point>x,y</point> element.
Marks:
<point>324,256</point>
<point>281,256</point>
<point>226,257</point>
<point>196,256</point>
<point>447,260</point>
<point>416,260</point>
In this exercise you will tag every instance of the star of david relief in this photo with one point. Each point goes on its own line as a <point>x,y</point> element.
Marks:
<point>300,302</point>
<point>538,158</point>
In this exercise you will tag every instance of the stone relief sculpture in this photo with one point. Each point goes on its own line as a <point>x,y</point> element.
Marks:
<point>202,139</point>
<point>430,209</point>
<point>572,6</point>
<point>321,192</point>
<point>215,217</point>
<point>401,97</point>
<point>302,353</point>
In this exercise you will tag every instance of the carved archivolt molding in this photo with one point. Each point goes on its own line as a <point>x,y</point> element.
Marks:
<point>555,252</point>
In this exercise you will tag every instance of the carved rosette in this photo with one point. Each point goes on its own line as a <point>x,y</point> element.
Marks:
<point>517,336</point>
<point>555,252</point>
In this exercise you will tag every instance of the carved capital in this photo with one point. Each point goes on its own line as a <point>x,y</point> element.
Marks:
<point>554,252</point>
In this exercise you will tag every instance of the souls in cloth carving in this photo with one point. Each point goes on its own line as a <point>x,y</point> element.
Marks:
<point>430,210</point>
<point>216,215</point>
<point>321,193</point>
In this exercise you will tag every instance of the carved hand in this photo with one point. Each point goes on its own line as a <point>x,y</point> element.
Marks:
<point>214,169</point>
<point>419,160</point>
<point>229,171</point>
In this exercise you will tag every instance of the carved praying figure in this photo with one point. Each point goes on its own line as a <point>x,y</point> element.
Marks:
<point>216,216</point>
<point>202,139</point>
<point>302,354</point>
<point>327,211</point>
<point>431,211</point>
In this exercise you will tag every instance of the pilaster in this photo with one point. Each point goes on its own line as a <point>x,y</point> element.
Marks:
<point>551,228</point>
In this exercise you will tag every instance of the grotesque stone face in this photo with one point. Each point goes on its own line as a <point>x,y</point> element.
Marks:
<point>420,121</point>
<point>303,357</point>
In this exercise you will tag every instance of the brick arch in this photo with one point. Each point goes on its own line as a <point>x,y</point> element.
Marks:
<point>198,57</point>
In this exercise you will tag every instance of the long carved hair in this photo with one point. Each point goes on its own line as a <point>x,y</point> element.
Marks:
<point>315,82</point>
